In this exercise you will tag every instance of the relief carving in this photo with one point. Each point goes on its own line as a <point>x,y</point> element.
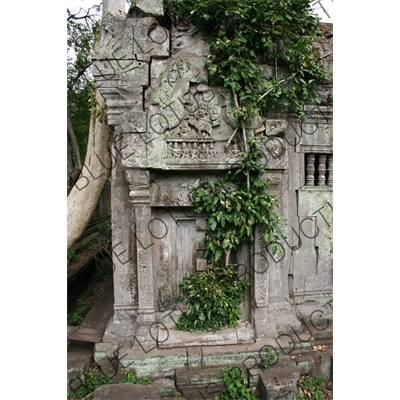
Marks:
<point>186,151</point>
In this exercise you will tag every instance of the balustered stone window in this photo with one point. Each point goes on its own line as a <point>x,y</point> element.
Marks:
<point>319,169</point>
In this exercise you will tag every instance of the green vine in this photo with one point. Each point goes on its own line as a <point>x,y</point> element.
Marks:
<point>245,34</point>
<point>264,52</point>
<point>212,299</point>
<point>236,385</point>
<point>235,208</point>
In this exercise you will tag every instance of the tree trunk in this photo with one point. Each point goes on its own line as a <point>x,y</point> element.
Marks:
<point>85,195</point>
<point>74,142</point>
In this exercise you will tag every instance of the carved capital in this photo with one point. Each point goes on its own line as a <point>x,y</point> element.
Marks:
<point>139,185</point>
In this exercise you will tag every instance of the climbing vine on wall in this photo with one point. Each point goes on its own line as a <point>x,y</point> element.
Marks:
<point>244,34</point>
<point>234,209</point>
<point>264,52</point>
<point>213,297</point>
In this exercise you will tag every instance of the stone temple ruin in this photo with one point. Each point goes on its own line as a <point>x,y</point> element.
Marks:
<point>172,129</point>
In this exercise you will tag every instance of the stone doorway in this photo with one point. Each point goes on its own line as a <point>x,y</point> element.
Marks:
<point>178,252</point>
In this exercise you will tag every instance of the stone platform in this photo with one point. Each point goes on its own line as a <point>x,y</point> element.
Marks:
<point>193,370</point>
<point>278,382</point>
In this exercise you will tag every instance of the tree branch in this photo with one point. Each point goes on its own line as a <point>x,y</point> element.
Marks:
<point>292,76</point>
<point>76,78</point>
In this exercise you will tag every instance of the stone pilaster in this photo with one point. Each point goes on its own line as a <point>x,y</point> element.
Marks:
<point>273,313</point>
<point>139,185</point>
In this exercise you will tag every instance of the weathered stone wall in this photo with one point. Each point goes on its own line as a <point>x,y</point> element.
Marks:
<point>172,130</point>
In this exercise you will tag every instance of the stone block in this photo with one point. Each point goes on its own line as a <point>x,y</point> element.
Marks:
<point>245,355</point>
<point>133,151</point>
<point>188,45</point>
<point>183,339</point>
<point>158,390</point>
<point>194,357</point>
<point>199,384</point>
<point>134,121</point>
<point>245,333</point>
<point>279,383</point>
<point>150,38</point>
<point>306,363</point>
<point>201,264</point>
<point>323,365</point>
<point>153,360</point>
<point>104,350</point>
<point>153,7</point>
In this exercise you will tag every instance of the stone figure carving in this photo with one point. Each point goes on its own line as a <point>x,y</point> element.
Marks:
<point>195,150</point>
<point>176,151</point>
<point>235,150</point>
<point>192,109</point>
<point>212,151</point>
<point>201,122</point>
<point>185,151</point>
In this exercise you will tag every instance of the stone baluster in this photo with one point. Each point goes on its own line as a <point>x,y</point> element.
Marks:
<point>329,169</point>
<point>310,169</point>
<point>321,170</point>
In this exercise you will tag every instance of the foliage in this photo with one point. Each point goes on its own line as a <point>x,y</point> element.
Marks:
<point>311,388</point>
<point>212,298</point>
<point>243,34</point>
<point>104,228</point>
<point>103,270</point>
<point>265,52</point>
<point>93,380</point>
<point>82,32</point>
<point>71,255</point>
<point>131,378</point>
<point>267,359</point>
<point>77,317</point>
<point>236,385</point>
<point>235,208</point>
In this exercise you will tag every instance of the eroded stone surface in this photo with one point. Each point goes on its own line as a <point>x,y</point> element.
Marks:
<point>160,389</point>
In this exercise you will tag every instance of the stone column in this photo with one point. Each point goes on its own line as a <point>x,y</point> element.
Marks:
<point>139,185</point>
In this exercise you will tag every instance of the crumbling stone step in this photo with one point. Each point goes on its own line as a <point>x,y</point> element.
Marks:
<point>163,389</point>
<point>80,358</point>
<point>200,384</point>
<point>205,384</point>
<point>279,383</point>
